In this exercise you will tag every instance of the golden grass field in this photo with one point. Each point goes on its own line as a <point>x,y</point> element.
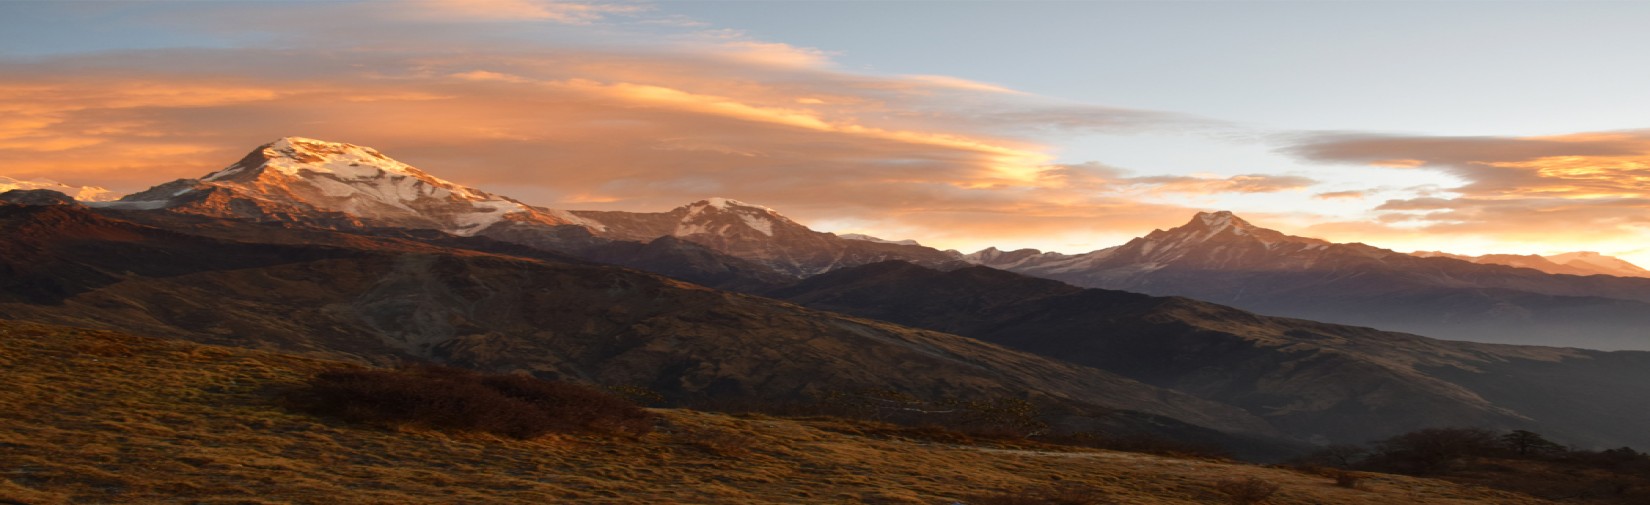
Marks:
<point>103,417</point>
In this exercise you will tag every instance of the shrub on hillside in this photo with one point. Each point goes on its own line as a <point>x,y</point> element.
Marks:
<point>1346,479</point>
<point>1246,491</point>
<point>444,398</point>
<point>1432,451</point>
<point>1529,443</point>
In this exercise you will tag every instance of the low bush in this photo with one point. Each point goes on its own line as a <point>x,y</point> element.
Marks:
<point>1432,451</point>
<point>451,399</point>
<point>1247,491</point>
<point>1346,479</point>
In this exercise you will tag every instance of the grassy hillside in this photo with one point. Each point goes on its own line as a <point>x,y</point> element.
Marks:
<point>102,417</point>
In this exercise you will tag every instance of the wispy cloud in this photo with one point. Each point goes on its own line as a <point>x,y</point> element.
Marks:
<point>1341,195</point>
<point>515,10</point>
<point>1249,183</point>
<point>945,81</point>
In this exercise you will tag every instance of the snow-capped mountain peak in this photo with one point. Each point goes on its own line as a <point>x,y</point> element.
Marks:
<point>720,216</point>
<point>720,203</point>
<point>1206,226</point>
<point>301,157</point>
<point>1223,220</point>
<point>294,177</point>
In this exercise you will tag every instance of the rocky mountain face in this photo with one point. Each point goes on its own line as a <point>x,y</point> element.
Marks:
<point>761,235</point>
<point>388,298</point>
<point>1325,382</point>
<point>1221,258</point>
<point>1573,263</point>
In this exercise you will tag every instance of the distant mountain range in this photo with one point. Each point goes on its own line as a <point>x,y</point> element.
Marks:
<point>1220,257</point>
<point>82,193</point>
<point>1572,263</point>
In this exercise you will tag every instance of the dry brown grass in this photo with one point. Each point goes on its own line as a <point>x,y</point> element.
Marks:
<point>99,417</point>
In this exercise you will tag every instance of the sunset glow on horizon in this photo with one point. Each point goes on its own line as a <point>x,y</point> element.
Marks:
<point>1058,126</point>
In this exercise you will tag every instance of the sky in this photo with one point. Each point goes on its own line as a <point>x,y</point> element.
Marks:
<point>1466,127</point>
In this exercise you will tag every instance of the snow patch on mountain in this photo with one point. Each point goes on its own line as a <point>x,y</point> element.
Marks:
<point>758,223</point>
<point>729,203</point>
<point>575,219</point>
<point>706,216</point>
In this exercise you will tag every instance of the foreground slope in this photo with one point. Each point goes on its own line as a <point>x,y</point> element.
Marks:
<point>1221,258</point>
<point>383,300</point>
<point>1327,382</point>
<point>105,417</point>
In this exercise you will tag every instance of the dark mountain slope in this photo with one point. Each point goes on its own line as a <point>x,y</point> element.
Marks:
<point>666,256</point>
<point>54,252</point>
<point>1324,381</point>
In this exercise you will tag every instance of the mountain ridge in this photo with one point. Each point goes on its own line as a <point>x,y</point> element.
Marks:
<point>345,186</point>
